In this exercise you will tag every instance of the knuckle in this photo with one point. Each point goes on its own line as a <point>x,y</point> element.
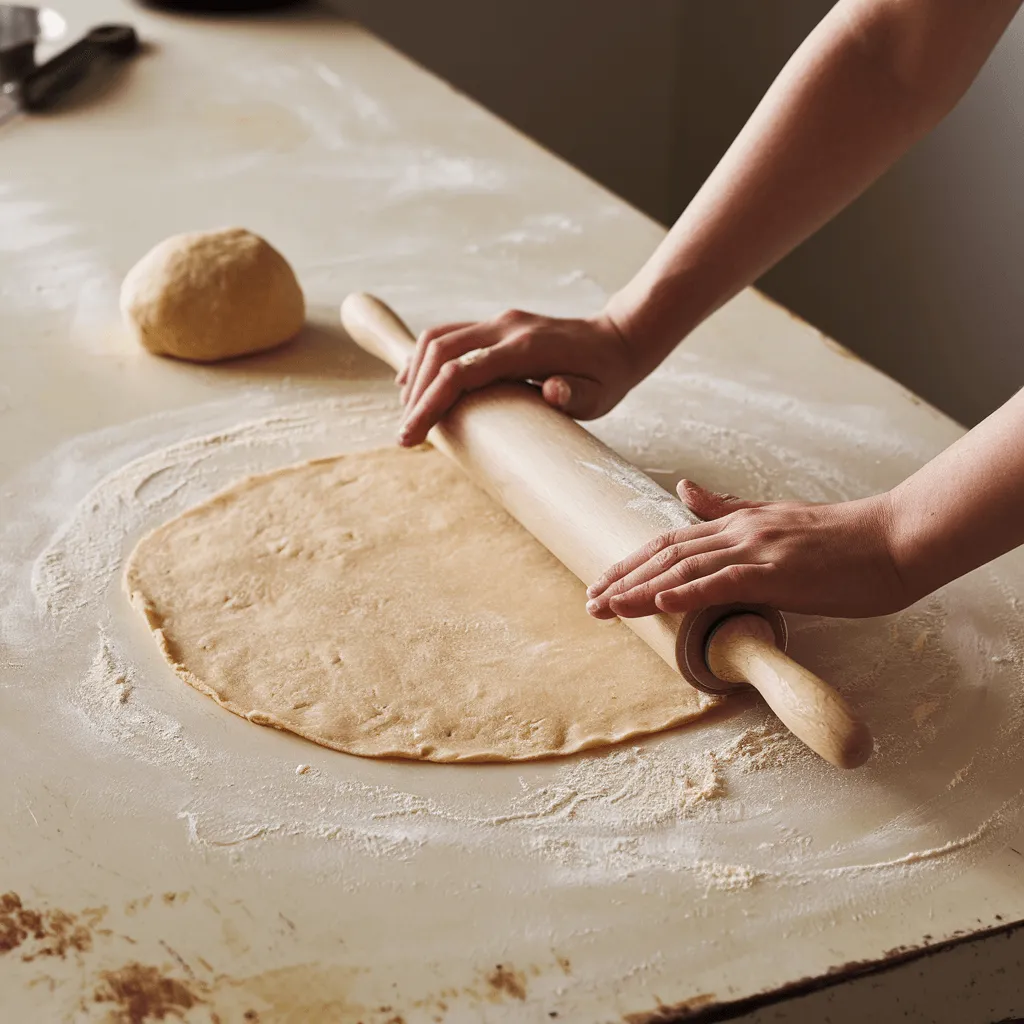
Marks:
<point>652,547</point>
<point>444,344</point>
<point>511,318</point>
<point>429,336</point>
<point>734,575</point>
<point>448,373</point>
<point>433,347</point>
<point>666,557</point>
<point>688,569</point>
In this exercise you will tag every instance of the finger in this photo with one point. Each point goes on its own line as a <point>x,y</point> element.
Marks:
<point>425,338</point>
<point>453,380</point>
<point>662,562</point>
<point>732,584</point>
<point>637,558</point>
<point>709,504</point>
<point>598,610</point>
<point>641,599</point>
<point>578,397</point>
<point>443,350</point>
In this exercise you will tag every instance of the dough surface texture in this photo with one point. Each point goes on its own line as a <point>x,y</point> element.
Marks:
<point>379,603</point>
<point>212,295</point>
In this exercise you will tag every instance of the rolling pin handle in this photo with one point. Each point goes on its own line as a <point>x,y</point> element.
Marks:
<point>376,328</point>
<point>742,648</point>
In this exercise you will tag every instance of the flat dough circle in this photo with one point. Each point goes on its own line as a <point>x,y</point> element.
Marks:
<point>381,604</point>
<point>211,295</point>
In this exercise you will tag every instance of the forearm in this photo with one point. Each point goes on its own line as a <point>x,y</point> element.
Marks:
<point>963,508</point>
<point>872,78</point>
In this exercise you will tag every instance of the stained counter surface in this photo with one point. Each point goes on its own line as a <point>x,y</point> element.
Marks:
<point>164,857</point>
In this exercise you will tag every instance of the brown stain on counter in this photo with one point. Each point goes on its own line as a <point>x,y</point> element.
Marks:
<point>141,992</point>
<point>506,980</point>
<point>140,986</point>
<point>47,932</point>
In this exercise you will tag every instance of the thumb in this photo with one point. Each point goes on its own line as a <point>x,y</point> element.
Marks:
<point>708,504</point>
<point>579,397</point>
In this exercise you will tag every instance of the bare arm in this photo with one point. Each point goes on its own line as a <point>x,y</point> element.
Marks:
<point>965,507</point>
<point>866,557</point>
<point>871,79</point>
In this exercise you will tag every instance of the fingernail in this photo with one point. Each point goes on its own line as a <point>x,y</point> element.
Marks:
<point>562,392</point>
<point>592,606</point>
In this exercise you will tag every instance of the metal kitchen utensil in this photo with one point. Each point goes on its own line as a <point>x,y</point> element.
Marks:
<point>40,87</point>
<point>47,84</point>
<point>21,28</point>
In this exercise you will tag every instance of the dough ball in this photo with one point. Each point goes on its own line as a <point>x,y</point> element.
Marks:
<point>211,295</point>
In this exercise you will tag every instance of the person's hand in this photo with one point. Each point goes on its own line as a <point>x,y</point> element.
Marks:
<point>795,556</point>
<point>585,366</point>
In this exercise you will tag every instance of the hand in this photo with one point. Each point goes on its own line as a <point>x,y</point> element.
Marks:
<point>792,555</point>
<point>585,365</point>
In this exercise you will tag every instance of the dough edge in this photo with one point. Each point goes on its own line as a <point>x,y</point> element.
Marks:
<point>437,753</point>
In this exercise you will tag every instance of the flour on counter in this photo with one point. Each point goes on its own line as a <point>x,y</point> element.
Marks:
<point>939,683</point>
<point>730,877</point>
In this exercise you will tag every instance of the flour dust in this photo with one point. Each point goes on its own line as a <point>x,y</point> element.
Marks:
<point>736,801</point>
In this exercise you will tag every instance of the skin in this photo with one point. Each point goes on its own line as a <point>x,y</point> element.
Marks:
<point>872,79</point>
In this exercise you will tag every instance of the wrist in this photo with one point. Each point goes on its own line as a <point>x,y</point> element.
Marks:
<point>904,542</point>
<point>620,360</point>
<point>654,318</point>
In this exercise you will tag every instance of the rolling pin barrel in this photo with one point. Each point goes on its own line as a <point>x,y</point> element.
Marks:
<point>590,507</point>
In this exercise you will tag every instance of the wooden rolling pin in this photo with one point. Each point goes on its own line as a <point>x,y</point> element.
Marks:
<point>590,508</point>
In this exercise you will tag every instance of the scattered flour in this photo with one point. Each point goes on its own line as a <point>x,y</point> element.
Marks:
<point>939,683</point>
<point>763,748</point>
<point>730,877</point>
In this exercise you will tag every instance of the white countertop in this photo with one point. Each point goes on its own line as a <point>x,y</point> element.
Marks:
<point>181,839</point>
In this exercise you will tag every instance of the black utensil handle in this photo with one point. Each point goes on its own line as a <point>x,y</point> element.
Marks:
<point>47,84</point>
<point>44,87</point>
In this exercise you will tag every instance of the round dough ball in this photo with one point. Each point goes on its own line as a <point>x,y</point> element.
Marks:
<point>211,295</point>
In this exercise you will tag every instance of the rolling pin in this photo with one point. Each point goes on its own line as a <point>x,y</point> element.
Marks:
<point>590,508</point>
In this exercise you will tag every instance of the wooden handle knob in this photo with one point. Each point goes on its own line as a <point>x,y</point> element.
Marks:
<point>377,329</point>
<point>742,650</point>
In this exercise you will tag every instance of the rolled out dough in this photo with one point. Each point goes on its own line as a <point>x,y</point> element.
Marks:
<point>380,604</point>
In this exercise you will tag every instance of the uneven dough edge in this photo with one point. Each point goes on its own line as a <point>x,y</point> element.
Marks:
<point>139,600</point>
